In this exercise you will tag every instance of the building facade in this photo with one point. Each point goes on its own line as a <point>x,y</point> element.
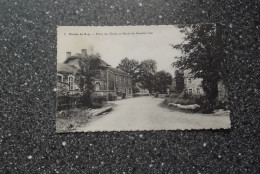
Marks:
<point>192,85</point>
<point>109,81</point>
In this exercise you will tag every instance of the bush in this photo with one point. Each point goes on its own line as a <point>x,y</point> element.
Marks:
<point>67,102</point>
<point>206,106</point>
<point>136,95</point>
<point>174,95</point>
<point>111,97</point>
<point>222,105</point>
<point>135,89</point>
<point>97,101</point>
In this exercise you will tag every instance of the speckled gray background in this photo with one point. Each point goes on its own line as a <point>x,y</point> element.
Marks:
<point>29,143</point>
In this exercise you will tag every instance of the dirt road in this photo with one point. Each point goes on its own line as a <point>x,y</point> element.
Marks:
<point>144,113</point>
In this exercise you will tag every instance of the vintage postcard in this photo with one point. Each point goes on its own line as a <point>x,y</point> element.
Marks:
<point>131,78</point>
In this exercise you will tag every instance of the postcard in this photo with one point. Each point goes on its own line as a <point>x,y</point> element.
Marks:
<point>141,78</point>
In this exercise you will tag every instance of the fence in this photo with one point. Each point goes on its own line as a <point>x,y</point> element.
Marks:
<point>67,102</point>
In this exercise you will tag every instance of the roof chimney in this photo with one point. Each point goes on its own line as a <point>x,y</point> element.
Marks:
<point>84,52</point>
<point>68,54</point>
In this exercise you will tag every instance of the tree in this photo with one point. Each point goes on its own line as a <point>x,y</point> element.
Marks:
<point>142,73</point>
<point>203,54</point>
<point>147,70</point>
<point>179,81</point>
<point>148,66</point>
<point>89,67</point>
<point>130,66</point>
<point>162,80</point>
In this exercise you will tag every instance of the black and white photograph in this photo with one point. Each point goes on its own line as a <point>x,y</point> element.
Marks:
<point>141,78</point>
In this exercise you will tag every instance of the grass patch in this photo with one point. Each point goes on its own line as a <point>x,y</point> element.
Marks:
<point>71,119</point>
<point>68,120</point>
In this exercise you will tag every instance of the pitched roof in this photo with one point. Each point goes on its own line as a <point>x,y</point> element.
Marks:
<point>118,71</point>
<point>77,55</point>
<point>61,67</point>
<point>103,63</point>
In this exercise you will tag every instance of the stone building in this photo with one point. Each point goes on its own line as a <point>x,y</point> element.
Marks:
<point>109,81</point>
<point>192,85</point>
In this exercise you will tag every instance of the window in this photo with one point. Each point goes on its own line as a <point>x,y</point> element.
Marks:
<point>129,91</point>
<point>97,74</point>
<point>60,78</point>
<point>190,91</point>
<point>198,90</point>
<point>189,80</point>
<point>97,87</point>
<point>71,82</point>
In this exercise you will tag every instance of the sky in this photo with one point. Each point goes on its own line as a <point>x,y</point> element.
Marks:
<point>117,42</point>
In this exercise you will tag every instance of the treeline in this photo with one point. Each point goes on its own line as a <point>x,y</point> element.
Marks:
<point>145,73</point>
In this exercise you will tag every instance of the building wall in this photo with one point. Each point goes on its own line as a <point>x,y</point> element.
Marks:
<point>68,80</point>
<point>192,85</point>
<point>123,84</point>
<point>117,84</point>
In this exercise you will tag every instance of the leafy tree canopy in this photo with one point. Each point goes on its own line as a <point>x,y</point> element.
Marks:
<point>202,54</point>
<point>202,51</point>
<point>142,73</point>
<point>89,68</point>
<point>148,66</point>
<point>129,65</point>
<point>162,80</point>
<point>147,70</point>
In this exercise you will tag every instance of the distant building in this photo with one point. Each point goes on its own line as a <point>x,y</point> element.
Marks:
<point>192,85</point>
<point>108,81</point>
